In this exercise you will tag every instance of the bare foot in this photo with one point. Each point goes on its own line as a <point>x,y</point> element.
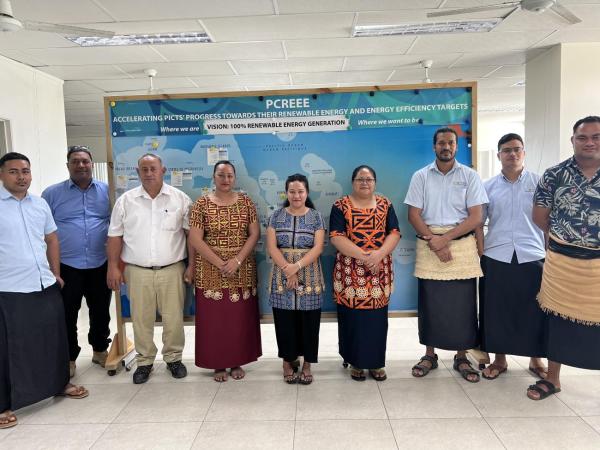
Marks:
<point>494,370</point>
<point>237,373</point>
<point>306,375</point>
<point>548,388</point>
<point>220,375</point>
<point>288,373</point>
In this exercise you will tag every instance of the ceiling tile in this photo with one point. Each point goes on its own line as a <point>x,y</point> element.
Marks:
<point>21,57</point>
<point>501,83</point>
<point>509,71</point>
<point>180,9</point>
<point>147,26</point>
<point>23,39</point>
<point>312,6</point>
<point>302,26</point>
<point>221,51</point>
<point>94,55</point>
<point>571,35</point>
<point>87,106</point>
<point>497,58</point>
<point>274,79</point>
<point>94,97</point>
<point>348,46</point>
<point>327,78</point>
<point>84,72</point>
<point>59,11</point>
<point>79,87</point>
<point>179,69</point>
<point>485,42</point>
<point>442,74</point>
<point>289,65</point>
<point>141,83</point>
<point>398,61</point>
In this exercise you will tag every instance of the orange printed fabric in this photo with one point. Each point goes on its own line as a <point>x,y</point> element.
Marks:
<point>354,286</point>
<point>226,229</point>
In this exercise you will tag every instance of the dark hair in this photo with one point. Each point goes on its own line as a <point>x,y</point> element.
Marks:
<point>509,137</point>
<point>363,166</point>
<point>302,179</point>
<point>223,161</point>
<point>12,156</point>
<point>444,130</point>
<point>588,119</point>
<point>76,149</point>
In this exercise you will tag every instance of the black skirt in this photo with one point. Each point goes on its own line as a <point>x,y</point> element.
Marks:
<point>297,333</point>
<point>572,343</point>
<point>34,352</point>
<point>510,319</point>
<point>448,314</point>
<point>362,335</point>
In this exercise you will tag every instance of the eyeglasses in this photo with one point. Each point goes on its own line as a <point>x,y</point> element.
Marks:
<point>508,150</point>
<point>365,180</point>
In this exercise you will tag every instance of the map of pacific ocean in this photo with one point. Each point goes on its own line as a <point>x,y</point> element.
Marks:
<point>264,161</point>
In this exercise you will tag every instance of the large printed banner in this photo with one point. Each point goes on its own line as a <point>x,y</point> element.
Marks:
<point>268,137</point>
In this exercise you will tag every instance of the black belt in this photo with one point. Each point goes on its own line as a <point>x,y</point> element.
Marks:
<point>470,233</point>
<point>155,267</point>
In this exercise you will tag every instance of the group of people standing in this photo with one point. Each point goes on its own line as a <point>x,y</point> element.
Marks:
<point>542,236</point>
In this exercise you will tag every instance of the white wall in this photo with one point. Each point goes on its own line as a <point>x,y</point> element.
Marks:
<point>580,95</point>
<point>33,103</point>
<point>490,128</point>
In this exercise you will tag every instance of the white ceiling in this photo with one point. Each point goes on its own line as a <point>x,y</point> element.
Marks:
<point>282,44</point>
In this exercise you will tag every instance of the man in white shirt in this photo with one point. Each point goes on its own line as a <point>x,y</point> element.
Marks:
<point>444,202</point>
<point>512,260</point>
<point>148,233</point>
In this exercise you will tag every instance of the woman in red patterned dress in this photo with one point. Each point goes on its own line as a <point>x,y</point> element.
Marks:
<point>223,231</point>
<point>364,229</point>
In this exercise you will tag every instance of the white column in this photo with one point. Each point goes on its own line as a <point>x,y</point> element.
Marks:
<point>561,86</point>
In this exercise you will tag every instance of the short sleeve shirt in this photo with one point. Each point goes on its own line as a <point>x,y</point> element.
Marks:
<point>574,203</point>
<point>445,198</point>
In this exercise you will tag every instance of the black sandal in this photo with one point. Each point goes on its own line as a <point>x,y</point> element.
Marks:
<point>423,368</point>
<point>357,374</point>
<point>552,389</point>
<point>465,372</point>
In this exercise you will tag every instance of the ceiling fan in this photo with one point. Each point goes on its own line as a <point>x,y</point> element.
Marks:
<point>9,23</point>
<point>535,6</point>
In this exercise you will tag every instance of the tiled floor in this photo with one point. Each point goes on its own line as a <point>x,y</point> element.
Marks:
<point>261,412</point>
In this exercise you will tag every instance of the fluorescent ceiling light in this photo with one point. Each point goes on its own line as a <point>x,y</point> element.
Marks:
<point>453,26</point>
<point>519,84</point>
<point>191,37</point>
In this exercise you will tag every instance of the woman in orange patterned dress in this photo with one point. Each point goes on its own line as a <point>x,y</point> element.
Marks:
<point>223,231</point>
<point>364,229</point>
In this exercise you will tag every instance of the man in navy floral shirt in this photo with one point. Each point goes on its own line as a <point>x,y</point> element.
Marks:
<point>567,207</point>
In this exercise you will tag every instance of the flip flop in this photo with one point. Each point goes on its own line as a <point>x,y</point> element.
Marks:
<point>357,374</point>
<point>552,389</point>
<point>538,371</point>
<point>12,420</point>
<point>499,369</point>
<point>74,392</point>
<point>378,374</point>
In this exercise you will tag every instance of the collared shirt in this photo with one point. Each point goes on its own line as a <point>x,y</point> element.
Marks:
<point>82,217</point>
<point>510,227</point>
<point>152,228</point>
<point>23,226</point>
<point>445,199</point>
<point>574,203</point>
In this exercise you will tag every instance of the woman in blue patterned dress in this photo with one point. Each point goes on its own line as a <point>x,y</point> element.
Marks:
<point>295,238</point>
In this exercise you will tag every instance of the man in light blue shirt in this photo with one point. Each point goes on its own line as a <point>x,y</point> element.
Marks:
<point>512,262</point>
<point>444,202</point>
<point>33,338</point>
<point>81,209</point>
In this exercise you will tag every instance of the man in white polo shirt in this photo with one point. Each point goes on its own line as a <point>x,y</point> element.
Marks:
<point>148,233</point>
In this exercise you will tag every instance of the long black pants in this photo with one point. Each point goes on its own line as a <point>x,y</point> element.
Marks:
<point>91,284</point>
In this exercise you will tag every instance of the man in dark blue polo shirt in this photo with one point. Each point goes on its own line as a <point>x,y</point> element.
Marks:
<point>81,210</point>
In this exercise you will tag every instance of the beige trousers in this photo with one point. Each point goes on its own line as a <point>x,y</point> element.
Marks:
<point>151,291</point>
